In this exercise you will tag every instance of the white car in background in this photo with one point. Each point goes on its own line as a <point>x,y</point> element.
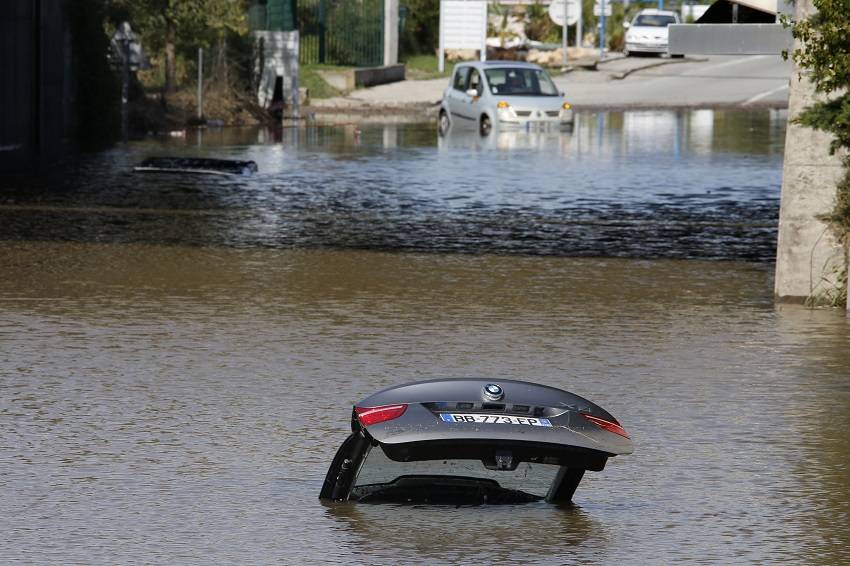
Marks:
<point>648,32</point>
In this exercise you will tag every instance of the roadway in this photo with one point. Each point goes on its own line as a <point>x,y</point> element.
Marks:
<point>633,82</point>
<point>715,81</point>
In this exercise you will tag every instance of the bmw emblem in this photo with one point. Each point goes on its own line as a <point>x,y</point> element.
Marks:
<point>493,392</point>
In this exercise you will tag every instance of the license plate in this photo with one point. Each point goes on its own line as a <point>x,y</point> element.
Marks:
<point>493,419</point>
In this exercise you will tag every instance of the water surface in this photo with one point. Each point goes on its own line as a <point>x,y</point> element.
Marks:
<point>699,184</point>
<point>178,358</point>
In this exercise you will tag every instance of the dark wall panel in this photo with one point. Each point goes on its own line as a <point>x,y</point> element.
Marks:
<point>35,81</point>
<point>18,67</point>
<point>53,69</point>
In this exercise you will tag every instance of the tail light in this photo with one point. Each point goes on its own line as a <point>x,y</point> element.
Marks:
<point>374,415</point>
<point>610,426</point>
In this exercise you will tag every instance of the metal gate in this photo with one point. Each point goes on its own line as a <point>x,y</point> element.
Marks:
<point>342,32</point>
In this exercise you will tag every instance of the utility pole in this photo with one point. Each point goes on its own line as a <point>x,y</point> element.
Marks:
<point>564,41</point>
<point>601,29</point>
<point>200,83</point>
<point>579,39</point>
<point>125,88</point>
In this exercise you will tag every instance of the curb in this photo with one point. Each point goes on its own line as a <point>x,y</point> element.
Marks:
<point>611,59</point>
<point>591,64</point>
<point>420,109</point>
<point>624,74</point>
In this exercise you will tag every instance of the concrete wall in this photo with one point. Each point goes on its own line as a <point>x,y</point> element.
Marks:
<point>378,75</point>
<point>347,80</point>
<point>279,60</point>
<point>808,257</point>
<point>727,39</point>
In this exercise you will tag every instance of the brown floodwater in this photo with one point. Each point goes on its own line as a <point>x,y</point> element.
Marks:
<point>167,404</point>
<point>179,401</point>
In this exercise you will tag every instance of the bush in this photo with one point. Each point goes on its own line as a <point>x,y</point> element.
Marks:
<point>825,52</point>
<point>420,26</point>
<point>539,26</point>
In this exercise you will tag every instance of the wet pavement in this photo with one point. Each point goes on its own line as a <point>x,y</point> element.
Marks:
<point>178,358</point>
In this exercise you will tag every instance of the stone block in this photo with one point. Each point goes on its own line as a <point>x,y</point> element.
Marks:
<point>371,76</point>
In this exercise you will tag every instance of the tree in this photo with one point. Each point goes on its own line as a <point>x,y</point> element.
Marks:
<point>421,26</point>
<point>223,18</point>
<point>538,25</point>
<point>503,31</point>
<point>824,51</point>
<point>167,25</point>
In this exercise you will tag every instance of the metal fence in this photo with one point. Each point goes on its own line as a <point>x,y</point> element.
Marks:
<point>341,32</point>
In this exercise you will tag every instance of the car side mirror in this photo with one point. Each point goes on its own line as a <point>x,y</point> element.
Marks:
<point>561,93</point>
<point>626,25</point>
<point>472,92</point>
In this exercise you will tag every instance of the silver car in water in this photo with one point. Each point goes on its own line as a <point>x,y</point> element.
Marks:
<point>502,94</point>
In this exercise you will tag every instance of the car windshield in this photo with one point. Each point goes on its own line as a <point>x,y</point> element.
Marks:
<point>518,81</point>
<point>449,481</point>
<point>654,20</point>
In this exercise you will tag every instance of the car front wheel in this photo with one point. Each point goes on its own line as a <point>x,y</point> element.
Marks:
<point>444,123</point>
<point>485,125</point>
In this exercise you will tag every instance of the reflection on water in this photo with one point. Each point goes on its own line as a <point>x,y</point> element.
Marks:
<point>567,531</point>
<point>178,360</point>
<point>700,184</point>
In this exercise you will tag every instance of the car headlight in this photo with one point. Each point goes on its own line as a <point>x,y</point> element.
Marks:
<point>566,106</point>
<point>502,105</point>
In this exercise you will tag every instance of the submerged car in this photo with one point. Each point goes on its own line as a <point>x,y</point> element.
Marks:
<point>648,32</point>
<point>502,94</point>
<point>472,441</point>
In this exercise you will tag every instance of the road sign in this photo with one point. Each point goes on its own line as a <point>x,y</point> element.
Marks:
<point>597,9</point>
<point>556,12</point>
<point>463,25</point>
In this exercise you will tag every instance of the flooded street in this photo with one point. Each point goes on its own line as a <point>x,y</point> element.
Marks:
<point>700,184</point>
<point>179,357</point>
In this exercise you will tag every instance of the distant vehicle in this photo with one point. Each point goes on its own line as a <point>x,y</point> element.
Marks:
<point>502,94</point>
<point>648,32</point>
<point>471,441</point>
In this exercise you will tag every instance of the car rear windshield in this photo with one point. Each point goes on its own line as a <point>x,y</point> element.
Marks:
<point>654,20</point>
<point>516,81</point>
<point>383,478</point>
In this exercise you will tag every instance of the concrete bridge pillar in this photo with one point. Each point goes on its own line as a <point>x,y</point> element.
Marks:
<point>809,259</point>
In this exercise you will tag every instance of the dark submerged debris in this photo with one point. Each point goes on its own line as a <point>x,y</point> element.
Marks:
<point>196,165</point>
